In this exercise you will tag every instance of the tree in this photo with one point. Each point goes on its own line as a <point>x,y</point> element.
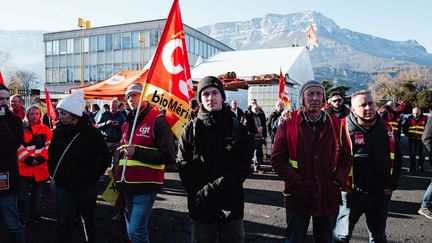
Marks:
<point>28,79</point>
<point>424,100</point>
<point>329,88</point>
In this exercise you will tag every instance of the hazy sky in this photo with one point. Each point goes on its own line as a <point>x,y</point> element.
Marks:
<point>391,19</point>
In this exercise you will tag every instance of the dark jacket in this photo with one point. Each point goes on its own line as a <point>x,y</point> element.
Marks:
<point>11,137</point>
<point>371,151</point>
<point>111,133</point>
<point>313,188</point>
<point>344,112</point>
<point>213,165</point>
<point>87,158</point>
<point>271,128</point>
<point>239,115</point>
<point>249,122</point>
<point>427,135</point>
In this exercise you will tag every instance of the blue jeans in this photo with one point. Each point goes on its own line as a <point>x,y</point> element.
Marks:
<point>427,197</point>
<point>138,208</point>
<point>374,207</point>
<point>229,232</point>
<point>297,226</point>
<point>29,204</point>
<point>84,201</point>
<point>10,217</point>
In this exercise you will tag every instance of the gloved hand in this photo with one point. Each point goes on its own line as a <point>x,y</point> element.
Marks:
<point>29,160</point>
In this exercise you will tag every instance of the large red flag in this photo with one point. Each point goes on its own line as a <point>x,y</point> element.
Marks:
<point>283,95</point>
<point>50,108</point>
<point>169,83</point>
<point>1,79</point>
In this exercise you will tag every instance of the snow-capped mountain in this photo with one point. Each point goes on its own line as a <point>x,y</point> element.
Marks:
<point>339,48</point>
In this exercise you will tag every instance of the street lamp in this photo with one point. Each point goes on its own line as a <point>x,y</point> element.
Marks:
<point>84,24</point>
<point>141,39</point>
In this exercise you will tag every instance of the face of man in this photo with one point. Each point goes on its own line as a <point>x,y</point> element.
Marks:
<point>233,104</point>
<point>4,98</point>
<point>114,107</point>
<point>34,116</point>
<point>15,103</point>
<point>336,102</point>
<point>280,106</point>
<point>133,100</point>
<point>416,112</point>
<point>252,102</point>
<point>313,99</point>
<point>211,99</point>
<point>363,107</point>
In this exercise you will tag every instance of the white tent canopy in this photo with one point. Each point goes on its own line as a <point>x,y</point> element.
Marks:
<point>293,61</point>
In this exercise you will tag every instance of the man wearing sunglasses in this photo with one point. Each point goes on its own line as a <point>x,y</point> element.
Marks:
<point>337,106</point>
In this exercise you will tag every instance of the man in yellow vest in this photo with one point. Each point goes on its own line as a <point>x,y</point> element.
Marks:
<point>311,154</point>
<point>413,128</point>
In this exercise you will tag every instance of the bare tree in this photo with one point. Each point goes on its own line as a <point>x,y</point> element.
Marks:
<point>28,79</point>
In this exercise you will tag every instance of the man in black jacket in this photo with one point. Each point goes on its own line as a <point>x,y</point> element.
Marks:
<point>337,106</point>
<point>271,126</point>
<point>214,160</point>
<point>425,208</point>
<point>255,122</point>
<point>375,171</point>
<point>11,137</point>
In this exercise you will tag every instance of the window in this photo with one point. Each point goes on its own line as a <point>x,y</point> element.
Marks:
<point>108,42</point>
<point>62,47</point>
<point>93,43</point>
<point>77,45</point>
<point>49,48</point>
<point>93,74</point>
<point>101,72</point>
<point>192,45</point>
<point>62,78</point>
<point>126,39</point>
<point>135,40</point>
<point>86,44</point>
<point>69,46</point>
<point>117,41</point>
<point>154,37</point>
<point>48,75</point>
<point>100,42</point>
<point>55,47</point>
<point>109,70</point>
<point>69,74</point>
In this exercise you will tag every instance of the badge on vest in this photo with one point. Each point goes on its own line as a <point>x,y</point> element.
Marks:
<point>144,131</point>
<point>4,180</point>
<point>359,139</point>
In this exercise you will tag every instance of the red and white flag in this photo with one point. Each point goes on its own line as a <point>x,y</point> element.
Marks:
<point>312,37</point>
<point>169,83</point>
<point>1,79</point>
<point>283,94</point>
<point>52,115</point>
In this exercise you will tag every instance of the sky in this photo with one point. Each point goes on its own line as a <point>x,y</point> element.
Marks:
<point>397,20</point>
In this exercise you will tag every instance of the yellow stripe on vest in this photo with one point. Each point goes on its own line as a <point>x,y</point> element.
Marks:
<point>293,163</point>
<point>132,162</point>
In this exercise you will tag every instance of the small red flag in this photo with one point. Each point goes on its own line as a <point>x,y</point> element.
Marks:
<point>169,82</point>
<point>283,95</point>
<point>50,108</point>
<point>312,37</point>
<point>1,79</point>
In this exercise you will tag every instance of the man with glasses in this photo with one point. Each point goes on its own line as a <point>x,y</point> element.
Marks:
<point>337,106</point>
<point>11,134</point>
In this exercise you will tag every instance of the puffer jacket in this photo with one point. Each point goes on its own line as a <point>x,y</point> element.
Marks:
<point>86,160</point>
<point>214,161</point>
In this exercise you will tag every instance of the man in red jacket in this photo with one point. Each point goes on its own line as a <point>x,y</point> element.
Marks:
<point>311,154</point>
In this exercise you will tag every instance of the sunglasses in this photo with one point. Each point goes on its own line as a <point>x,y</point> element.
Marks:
<point>338,100</point>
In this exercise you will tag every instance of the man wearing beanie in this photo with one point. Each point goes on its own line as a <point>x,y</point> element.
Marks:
<point>77,157</point>
<point>311,154</point>
<point>214,159</point>
<point>144,153</point>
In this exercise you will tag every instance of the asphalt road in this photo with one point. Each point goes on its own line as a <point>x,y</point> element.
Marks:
<point>264,214</point>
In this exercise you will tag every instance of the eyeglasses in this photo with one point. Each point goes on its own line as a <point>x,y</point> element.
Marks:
<point>337,100</point>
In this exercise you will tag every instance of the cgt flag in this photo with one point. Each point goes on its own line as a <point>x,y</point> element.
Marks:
<point>312,37</point>
<point>283,95</point>
<point>1,79</point>
<point>169,83</point>
<point>52,115</point>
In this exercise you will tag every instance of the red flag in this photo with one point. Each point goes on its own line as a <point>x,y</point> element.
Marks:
<point>169,83</point>
<point>283,95</point>
<point>50,108</point>
<point>1,79</point>
<point>312,37</point>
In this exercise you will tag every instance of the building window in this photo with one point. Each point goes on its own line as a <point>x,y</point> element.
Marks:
<point>108,71</point>
<point>117,68</point>
<point>86,44</point>
<point>77,45</point>
<point>55,47</point>
<point>100,42</point>
<point>62,78</point>
<point>108,42</point>
<point>93,43</point>
<point>117,41</point>
<point>70,46</point>
<point>69,73</point>
<point>126,39</point>
<point>135,40</point>
<point>154,37</point>
<point>101,72</point>
<point>62,49</point>
<point>49,75</point>
<point>93,74</point>
<point>49,48</point>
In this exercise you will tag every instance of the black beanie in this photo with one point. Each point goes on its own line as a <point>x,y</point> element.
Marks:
<point>210,81</point>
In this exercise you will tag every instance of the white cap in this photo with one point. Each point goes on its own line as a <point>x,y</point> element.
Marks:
<point>74,103</point>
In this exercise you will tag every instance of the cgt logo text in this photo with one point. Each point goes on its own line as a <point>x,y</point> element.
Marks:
<point>170,104</point>
<point>144,131</point>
